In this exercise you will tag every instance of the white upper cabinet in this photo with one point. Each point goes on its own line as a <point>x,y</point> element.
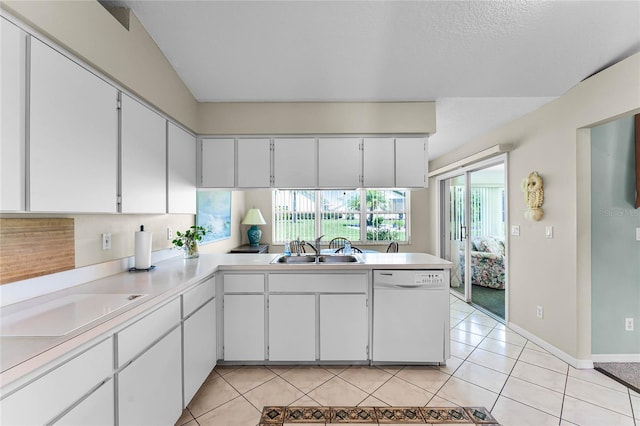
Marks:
<point>218,163</point>
<point>294,163</point>
<point>411,162</point>
<point>254,163</point>
<point>12,108</point>
<point>73,156</point>
<point>339,162</point>
<point>379,163</point>
<point>143,159</point>
<point>181,174</point>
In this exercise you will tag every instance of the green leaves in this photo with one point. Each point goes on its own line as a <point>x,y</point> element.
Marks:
<point>190,237</point>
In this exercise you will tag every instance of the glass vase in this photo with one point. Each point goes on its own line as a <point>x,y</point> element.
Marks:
<point>191,251</point>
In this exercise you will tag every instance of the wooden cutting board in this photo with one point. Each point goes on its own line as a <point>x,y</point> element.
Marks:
<point>34,247</point>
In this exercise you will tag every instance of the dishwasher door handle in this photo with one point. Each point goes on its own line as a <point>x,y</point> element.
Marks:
<point>403,286</point>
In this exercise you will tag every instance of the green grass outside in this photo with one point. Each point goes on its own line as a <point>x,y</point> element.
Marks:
<point>331,228</point>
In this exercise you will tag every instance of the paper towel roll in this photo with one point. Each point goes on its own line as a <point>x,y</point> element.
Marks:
<point>143,249</point>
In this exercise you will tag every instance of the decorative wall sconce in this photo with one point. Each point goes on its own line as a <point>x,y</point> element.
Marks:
<point>533,196</point>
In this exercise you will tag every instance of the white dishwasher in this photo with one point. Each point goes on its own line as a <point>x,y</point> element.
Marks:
<point>410,316</point>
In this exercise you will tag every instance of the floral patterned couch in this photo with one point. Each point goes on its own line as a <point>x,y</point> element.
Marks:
<point>487,262</point>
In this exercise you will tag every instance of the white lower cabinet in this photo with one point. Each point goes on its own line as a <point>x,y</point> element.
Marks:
<point>96,410</point>
<point>199,340</point>
<point>150,388</point>
<point>244,327</point>
<point>337,331</point>
<point>59,389</point>
<point>292,327</point>
<point>344,327</point>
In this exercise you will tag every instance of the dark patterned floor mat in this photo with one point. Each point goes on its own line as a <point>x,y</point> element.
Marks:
<point>278,416</point>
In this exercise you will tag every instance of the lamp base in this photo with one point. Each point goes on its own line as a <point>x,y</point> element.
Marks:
<point>254,233</point>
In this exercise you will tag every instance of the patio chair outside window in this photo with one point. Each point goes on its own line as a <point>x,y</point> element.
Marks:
<point>338,242</point>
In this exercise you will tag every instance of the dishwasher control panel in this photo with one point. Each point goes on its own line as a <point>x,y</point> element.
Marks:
<point>425,279</point>
<point>434,279</point>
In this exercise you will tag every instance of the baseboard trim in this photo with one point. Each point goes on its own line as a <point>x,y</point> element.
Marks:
<point>615,357</point>
<point>574,362</point>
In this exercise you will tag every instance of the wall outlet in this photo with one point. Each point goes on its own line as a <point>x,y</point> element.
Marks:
<point>548,232</point>
<point>515,230</point>
<point>628,324</point>
<point>539,311</point>
<point>106,241</point>
<point>169,234</point>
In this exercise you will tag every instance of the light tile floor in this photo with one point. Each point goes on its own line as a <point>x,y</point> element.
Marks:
<point>491,366</point>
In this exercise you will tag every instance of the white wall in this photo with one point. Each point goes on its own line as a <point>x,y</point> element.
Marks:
<point>554,273</point>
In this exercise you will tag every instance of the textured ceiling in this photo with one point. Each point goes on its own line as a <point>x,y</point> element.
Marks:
<point>512,55</point>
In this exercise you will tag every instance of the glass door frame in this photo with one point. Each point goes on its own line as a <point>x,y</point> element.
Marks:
<point>442,213</point>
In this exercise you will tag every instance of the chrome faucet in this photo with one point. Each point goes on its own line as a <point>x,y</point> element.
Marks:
<point>316,246</point>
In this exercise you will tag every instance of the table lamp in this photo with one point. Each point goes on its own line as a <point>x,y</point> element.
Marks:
<point>254,218</point>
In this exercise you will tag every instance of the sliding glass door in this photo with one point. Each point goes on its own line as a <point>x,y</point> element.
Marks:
<point>455,230</point>
<point>473,223</point>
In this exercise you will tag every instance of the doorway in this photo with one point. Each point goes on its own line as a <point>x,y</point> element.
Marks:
<point>473,222</point>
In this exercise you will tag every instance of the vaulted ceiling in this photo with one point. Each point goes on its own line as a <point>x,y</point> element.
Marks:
<point>483,62</point>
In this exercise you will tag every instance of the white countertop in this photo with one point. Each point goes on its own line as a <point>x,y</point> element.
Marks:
<point>21,355</point>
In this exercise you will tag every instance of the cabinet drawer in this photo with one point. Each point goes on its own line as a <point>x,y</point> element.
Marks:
<point>141,334</point>
<point>318,283</point>
<point>96,409</point>
<point>197,296</point>
<point>59,389</point>
<point>244,283</point>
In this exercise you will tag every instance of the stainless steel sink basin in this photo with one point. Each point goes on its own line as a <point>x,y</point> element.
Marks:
<point>322,259</point>
<point>338,258</point>
<point>295,259</point>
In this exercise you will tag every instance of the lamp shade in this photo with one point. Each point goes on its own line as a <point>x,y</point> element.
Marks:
<point>253,217</point>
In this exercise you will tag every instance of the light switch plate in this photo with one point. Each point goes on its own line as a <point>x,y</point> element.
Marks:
<point>637,234</point>
<point>515,230</point>
<point>549,232</point>
<point>106,241</point>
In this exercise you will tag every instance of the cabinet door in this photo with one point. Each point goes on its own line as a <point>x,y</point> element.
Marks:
<point>182,171</point>
<point>379,163</point>
<point>143,159</point>
<point>339,162</point>
<point>96,410</point>
<point>73,154</point>
<point>244,327</point>
<point>411,162</point>
<point>218,163</point>
<point>292,327</point>
<point>344,327</point>
<point>294,163</point>
<point>254,163</point>
<point>12,110</point>
<point>76,376</point>
<point>199,348</point>
<point>150,388</point>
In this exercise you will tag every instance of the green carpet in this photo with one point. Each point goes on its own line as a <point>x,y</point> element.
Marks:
<point>490,299</point>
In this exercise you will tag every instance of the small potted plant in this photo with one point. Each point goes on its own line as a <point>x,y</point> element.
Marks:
<point>188,241</point>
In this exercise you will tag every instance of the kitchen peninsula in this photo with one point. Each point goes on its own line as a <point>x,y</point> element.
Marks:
<point>185,316</point>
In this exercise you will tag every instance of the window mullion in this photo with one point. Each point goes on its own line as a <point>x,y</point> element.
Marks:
<point>363,215</point>
<point>318,213</point>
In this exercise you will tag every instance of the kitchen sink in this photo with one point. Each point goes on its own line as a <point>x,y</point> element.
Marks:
<point>322,259</point>
<point>295,259</point>
<point>338,258</point>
